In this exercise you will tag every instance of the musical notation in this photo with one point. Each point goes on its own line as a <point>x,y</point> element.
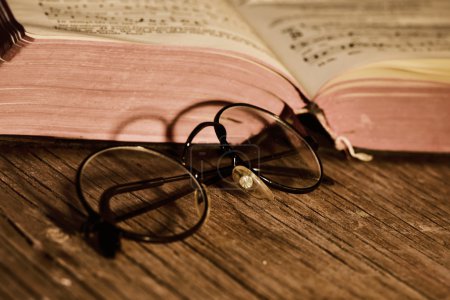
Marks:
<point>116,17</point>
<point>319,32</point>
<point>320,45</point>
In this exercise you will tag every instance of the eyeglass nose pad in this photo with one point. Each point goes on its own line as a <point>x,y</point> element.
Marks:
<point>247,181</point>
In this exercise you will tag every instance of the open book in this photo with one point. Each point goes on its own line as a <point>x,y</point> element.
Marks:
<point>376,73</point>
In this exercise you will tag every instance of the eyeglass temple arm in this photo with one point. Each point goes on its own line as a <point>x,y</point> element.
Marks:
<point>130,187</point>
<point>279,170</point>
<point>284,171</point>
<point>135,186</point>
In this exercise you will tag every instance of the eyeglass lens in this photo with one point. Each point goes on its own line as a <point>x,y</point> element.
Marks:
<point>272,149</point>
<point>142,192</point>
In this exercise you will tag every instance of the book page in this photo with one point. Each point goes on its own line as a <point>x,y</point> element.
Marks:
<point>319,39</point>
<point>199,23</point>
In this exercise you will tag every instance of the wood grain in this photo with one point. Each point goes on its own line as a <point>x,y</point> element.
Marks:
<point>372,230</point>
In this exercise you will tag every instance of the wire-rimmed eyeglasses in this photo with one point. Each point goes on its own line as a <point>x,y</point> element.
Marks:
<point>138,193</point>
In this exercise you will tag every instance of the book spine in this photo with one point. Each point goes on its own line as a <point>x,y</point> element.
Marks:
<point>12,33</point>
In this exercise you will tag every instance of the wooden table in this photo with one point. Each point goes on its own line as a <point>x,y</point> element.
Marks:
<point>372,230</point>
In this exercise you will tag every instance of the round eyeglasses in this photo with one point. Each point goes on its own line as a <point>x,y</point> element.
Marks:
<point>138,193</point>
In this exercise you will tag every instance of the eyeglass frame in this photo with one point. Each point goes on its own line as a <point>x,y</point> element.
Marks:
<point>97,219</point>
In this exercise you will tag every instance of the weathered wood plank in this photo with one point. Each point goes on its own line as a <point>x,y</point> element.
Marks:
<point>382,228</point>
